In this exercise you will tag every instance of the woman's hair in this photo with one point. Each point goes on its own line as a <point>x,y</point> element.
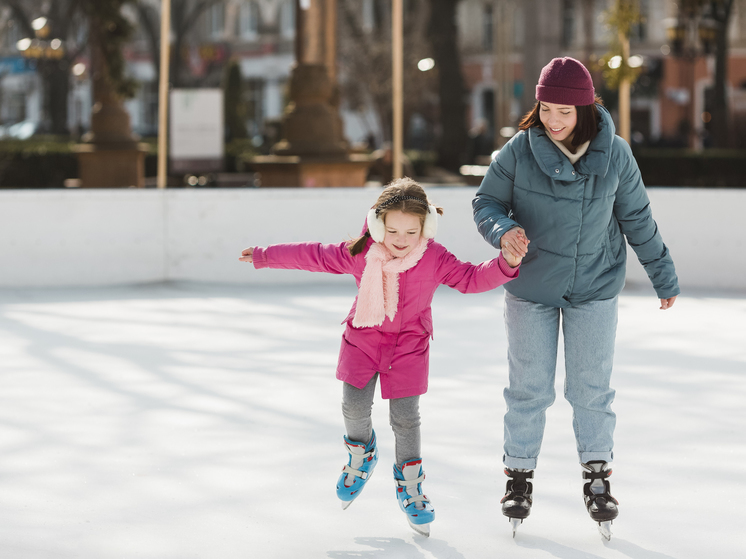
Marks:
<point>401,188</point>
<point>585,129</point>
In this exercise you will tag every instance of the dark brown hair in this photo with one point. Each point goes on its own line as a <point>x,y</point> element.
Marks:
<point>585,129</point>
<point>400,187</point>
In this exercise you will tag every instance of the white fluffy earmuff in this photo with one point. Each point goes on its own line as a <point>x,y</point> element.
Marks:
<point>377,228</point>
<point>431,223</point>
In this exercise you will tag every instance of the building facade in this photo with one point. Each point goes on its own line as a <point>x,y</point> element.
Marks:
<point>504,45</point>
<point>672,95</point>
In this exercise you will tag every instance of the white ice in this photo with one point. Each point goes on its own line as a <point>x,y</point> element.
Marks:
<point>179,421</point>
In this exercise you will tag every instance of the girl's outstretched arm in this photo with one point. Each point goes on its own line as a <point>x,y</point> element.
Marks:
<point>247,255</point>
<point>470,278</point>
<point>310,256</point>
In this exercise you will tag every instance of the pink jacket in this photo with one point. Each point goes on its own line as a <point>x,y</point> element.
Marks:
<point>398,349</point>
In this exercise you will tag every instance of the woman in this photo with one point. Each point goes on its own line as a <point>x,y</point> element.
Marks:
<point>572,187</point>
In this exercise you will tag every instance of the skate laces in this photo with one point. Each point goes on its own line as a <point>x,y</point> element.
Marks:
<point>358,460</point>
<point>518,486</point>
<point>408,484</point>
<point>598,487</point>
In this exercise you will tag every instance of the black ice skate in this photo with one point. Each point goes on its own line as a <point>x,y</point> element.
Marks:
<point>516,504</point>
<point>597,494</point>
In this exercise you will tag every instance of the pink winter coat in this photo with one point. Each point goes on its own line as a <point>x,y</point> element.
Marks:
<point>398,349</point>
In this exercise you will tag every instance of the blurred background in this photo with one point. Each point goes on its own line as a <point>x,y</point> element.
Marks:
<point>672,73</point>
<point>157,396</point>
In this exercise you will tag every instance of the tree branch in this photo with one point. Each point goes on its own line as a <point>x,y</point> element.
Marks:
<point>20,16</point>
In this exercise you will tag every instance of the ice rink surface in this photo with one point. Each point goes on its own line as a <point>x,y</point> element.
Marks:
<point>178,421</point>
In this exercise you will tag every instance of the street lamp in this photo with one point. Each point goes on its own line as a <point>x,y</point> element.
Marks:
<point>39,25</point>
<point>39,47</point>
<point>426,64</point>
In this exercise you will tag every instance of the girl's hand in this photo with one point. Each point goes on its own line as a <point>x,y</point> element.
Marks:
<point>667,303</point>
<point>510,259</point>
<point>247,255</point>
<point>515,243</point>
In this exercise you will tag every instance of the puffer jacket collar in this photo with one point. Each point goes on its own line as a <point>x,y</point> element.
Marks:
<point>595,161</point>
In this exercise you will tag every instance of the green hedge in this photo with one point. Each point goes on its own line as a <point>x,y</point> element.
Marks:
<point>46,161</point>
<point>40,162</point>
<point>670,167</point>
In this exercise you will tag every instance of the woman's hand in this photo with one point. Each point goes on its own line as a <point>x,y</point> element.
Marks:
<point>247,255</point>
<point>514,245</point>
<point>667,303</point>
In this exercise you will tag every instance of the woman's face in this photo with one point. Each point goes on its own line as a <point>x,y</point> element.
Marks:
<point>402,232</point>
<point>558,120</point>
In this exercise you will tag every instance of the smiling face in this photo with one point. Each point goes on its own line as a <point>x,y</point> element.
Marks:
<point>403,231</point>
<point>559,121</point>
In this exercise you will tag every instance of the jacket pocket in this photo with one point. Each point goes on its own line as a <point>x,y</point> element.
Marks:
<point>427,325</point>
<point>608,253</point>
<point>613,241</point>
<point>612,252</point>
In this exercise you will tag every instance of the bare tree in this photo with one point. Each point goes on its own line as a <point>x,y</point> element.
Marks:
<point>720,11</point>
<point>443,35</point>
<point>63,22</point>
<point>365,59</point>
<point>184,16</point>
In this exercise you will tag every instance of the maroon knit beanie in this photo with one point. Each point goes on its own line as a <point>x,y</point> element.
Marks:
<point>565,81</point>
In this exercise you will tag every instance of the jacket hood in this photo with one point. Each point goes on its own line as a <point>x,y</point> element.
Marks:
<point>595,161</point>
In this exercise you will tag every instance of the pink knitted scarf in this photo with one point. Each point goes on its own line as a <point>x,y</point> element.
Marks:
<point>378,296</point>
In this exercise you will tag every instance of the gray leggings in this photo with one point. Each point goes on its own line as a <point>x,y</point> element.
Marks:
<point>404,417</point>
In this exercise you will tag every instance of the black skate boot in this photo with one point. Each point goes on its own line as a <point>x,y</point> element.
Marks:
<point>516,504</point>
<point>597,494</point>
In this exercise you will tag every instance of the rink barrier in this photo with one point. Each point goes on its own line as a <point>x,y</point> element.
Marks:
<point>108,237</point>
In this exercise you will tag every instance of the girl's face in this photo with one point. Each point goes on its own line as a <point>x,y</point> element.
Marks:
<point>403,232</point>
<point>559,120</point>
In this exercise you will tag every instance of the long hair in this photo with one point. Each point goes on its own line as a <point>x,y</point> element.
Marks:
<point>399,187</point>
<point>585,129</point>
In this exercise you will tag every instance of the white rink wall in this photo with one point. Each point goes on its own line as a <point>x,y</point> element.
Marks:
<point>108,237</point>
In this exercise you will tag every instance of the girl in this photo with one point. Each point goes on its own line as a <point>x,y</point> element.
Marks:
<point>574,186</point>
<point>397,267</point>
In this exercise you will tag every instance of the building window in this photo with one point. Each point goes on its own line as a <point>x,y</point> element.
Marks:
<point>15,107</point>
<point>253,97</point>
<point>487,27</point>
<point>11,35</point>
<point>149,106</point>
<point>248,21</point>
<point>568,22</point>
<point>287,19</point>
<point>215,19</point>
<point>639,31</point>
<point>369,15</point>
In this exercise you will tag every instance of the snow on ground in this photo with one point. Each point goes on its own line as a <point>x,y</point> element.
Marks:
<point>202,421</point>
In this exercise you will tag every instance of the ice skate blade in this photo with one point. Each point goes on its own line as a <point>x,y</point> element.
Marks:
<point>421,529</point>
<point>345,504</point>
<point>604,528</point>
<point>515,522</point>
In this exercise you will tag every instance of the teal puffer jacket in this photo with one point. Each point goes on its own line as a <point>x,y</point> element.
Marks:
<point>575,216</point>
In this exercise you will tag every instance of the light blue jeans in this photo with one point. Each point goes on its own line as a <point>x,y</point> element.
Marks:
<point>589,331</point>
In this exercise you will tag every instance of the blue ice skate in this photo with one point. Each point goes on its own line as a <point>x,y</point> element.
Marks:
<point>363,459</point>
<point>420,513</point>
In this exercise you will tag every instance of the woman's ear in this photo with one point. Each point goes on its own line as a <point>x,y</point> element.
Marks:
<point>376,227</point>
<point>431,222</point>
